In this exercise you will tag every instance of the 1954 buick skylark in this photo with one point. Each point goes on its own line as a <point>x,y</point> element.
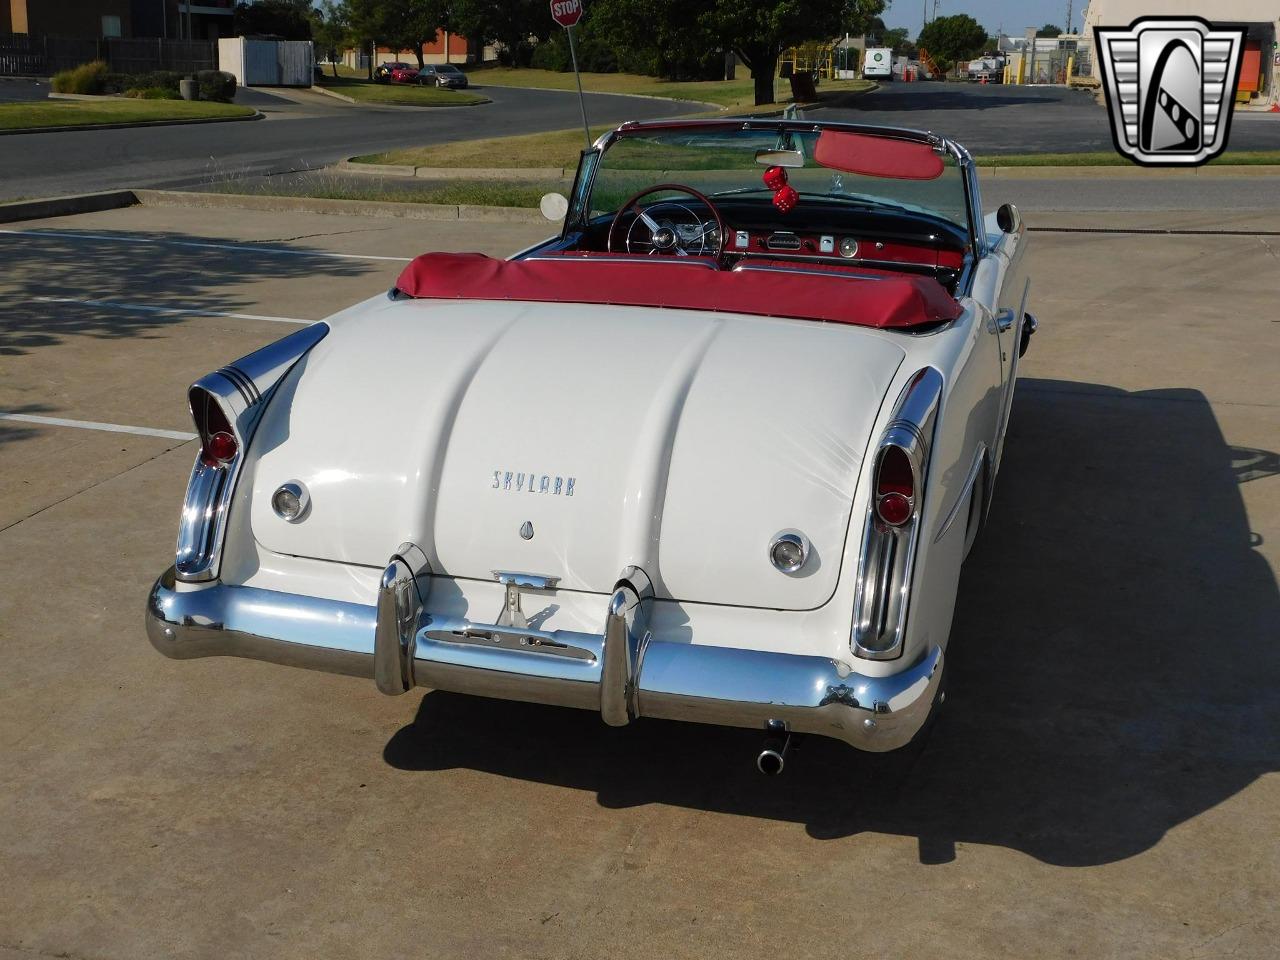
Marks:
<point>713,453</point>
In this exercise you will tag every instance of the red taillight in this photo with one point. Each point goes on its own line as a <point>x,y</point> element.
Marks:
<point>217,440</point>
<point>219,448</point>
<point>895,487</point>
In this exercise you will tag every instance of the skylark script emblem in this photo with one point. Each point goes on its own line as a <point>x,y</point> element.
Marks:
<point>1170,85</point>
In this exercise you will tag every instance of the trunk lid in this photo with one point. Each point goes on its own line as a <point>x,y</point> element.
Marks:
<point>678,441</point>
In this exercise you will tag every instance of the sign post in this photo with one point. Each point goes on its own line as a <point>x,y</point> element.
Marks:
<point>567,13</point>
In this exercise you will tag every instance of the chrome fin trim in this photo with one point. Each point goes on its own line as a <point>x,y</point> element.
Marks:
<point>887,562</point>
<point>242,391</point>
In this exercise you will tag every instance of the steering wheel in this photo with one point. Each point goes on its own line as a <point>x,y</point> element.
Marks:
<point>665,236</point>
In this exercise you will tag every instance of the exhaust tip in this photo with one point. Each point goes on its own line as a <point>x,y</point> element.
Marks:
<point>770,762</point>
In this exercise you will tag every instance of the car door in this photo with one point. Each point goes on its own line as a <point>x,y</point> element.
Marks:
<point>1010,310</point>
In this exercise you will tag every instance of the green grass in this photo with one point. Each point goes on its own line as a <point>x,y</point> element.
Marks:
<point>1113,159</point>
<point>57,113</point>
<point>727,94</point>
<point>560,148</point>
<point>403,94</point>
<point>488,193</point>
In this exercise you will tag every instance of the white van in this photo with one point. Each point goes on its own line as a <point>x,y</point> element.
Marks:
<point>877,64</point>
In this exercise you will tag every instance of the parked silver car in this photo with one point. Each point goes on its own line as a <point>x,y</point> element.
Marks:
<point>442,75</point>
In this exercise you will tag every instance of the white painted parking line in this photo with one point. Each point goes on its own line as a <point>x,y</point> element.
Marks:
<point>92,425</point>
<point>146,308</point>
<point>238,247</point>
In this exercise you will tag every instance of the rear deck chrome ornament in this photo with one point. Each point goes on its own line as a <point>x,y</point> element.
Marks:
<point>526,530</point>
<point>1170,86</point>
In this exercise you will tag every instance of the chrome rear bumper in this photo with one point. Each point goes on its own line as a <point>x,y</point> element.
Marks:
<point>675,681</point>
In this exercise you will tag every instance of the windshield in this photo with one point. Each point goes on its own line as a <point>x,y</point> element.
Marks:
<point>828,166</point>
<point>448,68</point>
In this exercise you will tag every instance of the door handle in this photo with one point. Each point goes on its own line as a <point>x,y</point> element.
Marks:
<point>1005,319</point>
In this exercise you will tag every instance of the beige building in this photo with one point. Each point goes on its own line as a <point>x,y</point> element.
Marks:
<point>1260,66</point>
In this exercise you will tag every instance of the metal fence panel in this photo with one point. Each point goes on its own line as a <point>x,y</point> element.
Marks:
<point>296,58</point>
<point>39,56</point>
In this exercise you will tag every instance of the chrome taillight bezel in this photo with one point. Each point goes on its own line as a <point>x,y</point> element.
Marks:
<point>231,398</point>
<point>887,562</point>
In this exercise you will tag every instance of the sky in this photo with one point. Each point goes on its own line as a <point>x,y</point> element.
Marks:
<point>1013,15</point>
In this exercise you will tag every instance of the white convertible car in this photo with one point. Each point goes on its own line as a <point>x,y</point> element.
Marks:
<point>713,453</point>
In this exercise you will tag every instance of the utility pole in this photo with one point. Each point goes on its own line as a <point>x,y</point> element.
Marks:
<point>1068,16</point>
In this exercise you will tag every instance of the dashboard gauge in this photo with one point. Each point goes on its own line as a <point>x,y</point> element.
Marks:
<point>848,247</point>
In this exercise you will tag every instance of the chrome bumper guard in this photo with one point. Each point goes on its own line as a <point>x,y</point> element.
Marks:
<point>623,672</point>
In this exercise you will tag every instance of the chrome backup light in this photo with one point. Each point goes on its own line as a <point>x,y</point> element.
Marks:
<point>789,550</point>
<point>290,501</point>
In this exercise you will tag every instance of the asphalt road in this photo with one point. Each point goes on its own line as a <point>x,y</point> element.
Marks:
<point>992,119</point>
<point>305,131</point>
<point>1102,782</point>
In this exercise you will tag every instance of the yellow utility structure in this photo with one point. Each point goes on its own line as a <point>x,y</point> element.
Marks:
<point>816,58</point>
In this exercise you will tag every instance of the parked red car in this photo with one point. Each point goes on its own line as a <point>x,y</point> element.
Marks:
<point>404,73</point>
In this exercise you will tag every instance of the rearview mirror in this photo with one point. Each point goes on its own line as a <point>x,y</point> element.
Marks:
<point>780,158</point>
<point>553,206</point>
<point>1008,218</point>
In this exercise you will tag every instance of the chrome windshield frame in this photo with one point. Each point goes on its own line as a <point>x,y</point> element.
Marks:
<point>589,165</point>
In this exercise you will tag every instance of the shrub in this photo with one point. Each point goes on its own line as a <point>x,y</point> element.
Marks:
<point>217,85</point>
<point>152,93</point>
<point>87,78</point>
<point>158,79</point>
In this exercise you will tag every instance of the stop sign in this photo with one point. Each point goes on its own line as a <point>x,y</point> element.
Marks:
<point>566,12</point>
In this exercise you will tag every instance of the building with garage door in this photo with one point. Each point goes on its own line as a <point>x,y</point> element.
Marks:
<point>1260,65</point>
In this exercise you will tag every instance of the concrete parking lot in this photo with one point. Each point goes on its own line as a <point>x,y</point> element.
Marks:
<point>1102,783</point>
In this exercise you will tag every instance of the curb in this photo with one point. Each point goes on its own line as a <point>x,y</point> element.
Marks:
<point>66,206</point>
<point>334,95</point>
<point>532,174</point>
<point>374,104</point>
<point>363,208</point>
<point>605,93</point>
<point>68,128</point>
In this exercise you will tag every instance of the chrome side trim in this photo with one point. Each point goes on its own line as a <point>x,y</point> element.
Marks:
<point>570,257</point>
<point>671,680</point>
<point>970,479</point>
<point>242,389</point>
<point>402,591</point>
<point>887,562</point>
<point>744,267</point>
<point>1010,345</point>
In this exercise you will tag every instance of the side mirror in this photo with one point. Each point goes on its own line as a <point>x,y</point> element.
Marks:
<point>553,206</point>
<point>1008,218</point>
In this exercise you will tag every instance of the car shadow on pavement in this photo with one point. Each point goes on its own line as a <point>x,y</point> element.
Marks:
<point>118,266</point>
<point>1113,664</point>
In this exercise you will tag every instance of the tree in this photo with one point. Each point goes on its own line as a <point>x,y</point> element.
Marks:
<point>510,23</point>
<point>329,33</point>
<point>953,38</point>
<point>398,24</point>
<point>1049,30</point>
<point>759,30</point>
<point>287,19</point>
